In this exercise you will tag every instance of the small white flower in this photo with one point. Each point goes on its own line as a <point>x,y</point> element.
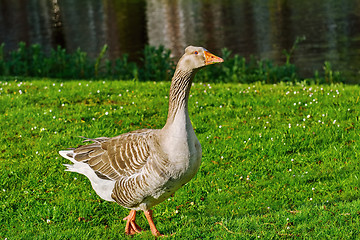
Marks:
<point>98,91</point>
<point>310,199</point>
<point>290,170</point>
<point>220,126</point>
<point>106,113</point>
<point>313,189</point>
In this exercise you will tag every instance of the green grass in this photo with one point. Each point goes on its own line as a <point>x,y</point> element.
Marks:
<point>279,161</point>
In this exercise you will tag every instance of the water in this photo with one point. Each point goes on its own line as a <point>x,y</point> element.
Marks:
<point>246,27</point>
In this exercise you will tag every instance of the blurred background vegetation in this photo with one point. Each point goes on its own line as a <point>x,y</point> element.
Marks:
<point>156,64</point>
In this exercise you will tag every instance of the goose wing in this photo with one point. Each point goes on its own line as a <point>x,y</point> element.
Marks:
<point>117,157</point>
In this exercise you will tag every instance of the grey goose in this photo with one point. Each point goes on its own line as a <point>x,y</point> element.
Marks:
<point>142,168</point>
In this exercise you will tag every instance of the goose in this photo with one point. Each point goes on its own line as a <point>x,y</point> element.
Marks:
<point>142,168</point>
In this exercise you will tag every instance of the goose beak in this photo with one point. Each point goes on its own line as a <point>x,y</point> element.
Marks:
<point>211,58</point>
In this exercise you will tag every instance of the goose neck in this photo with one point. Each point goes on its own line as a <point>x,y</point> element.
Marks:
<point>179,94</point>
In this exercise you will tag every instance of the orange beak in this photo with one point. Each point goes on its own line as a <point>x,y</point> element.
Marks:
<point>211,58</point>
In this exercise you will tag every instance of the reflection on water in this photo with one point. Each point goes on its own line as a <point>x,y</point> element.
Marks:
<point>247,27</point>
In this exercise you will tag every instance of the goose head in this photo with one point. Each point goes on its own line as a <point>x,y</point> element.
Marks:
<point>197,57</point>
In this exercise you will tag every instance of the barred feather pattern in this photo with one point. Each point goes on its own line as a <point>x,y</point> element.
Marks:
<point>112,158</point>
<point>179,91</point>
<point>134,160</point>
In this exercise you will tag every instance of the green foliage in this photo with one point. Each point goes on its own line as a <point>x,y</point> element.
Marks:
<point>279,161</point>
<point>155,65</point>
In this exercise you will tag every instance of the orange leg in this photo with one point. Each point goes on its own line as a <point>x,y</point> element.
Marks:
<point>131,226</point>
<point>153,229</point>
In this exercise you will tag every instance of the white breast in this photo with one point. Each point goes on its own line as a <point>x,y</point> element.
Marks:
<point>182,147</point>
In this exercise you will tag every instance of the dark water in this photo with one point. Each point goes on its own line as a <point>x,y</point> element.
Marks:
<point>247,27</point>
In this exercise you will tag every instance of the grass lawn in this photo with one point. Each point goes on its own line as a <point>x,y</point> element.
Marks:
<point>279,161</point>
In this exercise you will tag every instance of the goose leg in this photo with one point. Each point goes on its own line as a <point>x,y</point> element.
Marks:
<point>153,228</point>
<point>131,226</point>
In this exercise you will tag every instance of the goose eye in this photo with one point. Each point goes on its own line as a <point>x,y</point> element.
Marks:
<point>196,52</point>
